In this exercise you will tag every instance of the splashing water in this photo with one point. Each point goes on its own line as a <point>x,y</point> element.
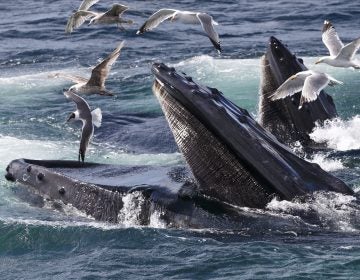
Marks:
<point>333,211</point>
<point>341,135</point>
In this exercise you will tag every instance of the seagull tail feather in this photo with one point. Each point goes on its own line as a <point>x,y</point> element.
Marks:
<point>96,117</point>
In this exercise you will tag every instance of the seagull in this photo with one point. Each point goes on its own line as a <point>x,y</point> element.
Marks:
<point>96,83</point>
<point>80,16</point>
<point>309,82</point>
<point>340,55</point>
<point>111,16</point>
<point>206,21</point>
<point>88,118</point>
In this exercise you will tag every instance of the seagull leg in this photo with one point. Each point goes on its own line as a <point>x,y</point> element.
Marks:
<point>81,155</point>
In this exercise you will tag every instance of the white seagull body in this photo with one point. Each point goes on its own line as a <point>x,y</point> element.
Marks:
<point>340,55</point>
<point>204,19</point>
<point>96,83</point>
<point>88,118</point>
<point>309,82</point>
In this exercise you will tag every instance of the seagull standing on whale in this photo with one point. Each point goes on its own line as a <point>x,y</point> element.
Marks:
<point>80,16</point>
<point>340,55</point>
<point>96,83</point>
<point>309,82</point>
<point>88,118</point>
<point>206,21</point>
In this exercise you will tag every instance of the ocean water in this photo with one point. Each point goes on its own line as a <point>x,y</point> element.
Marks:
<point>42,243</point>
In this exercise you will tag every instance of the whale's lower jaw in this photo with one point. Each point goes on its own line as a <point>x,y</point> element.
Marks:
<point>213,165</point>
<point>274,116</point>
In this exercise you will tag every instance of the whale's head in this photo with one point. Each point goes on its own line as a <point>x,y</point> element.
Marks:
<point>283,62</point>
<point>282,117</point>
<point>232,158</point>
<point>194,114</point>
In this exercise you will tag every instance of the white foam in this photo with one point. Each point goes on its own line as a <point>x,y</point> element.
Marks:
<point>334,210</point>
<point>136,209</point>
<point>341,135</point>
<point>42,76</point>
<point>326,163</point>
<point>61,224</point>
<point>156,220</point>
<point>129,214</point>
<point>33,85</point>
<point>13,148</point>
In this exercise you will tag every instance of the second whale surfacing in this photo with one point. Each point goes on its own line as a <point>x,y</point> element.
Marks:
<point>282,117</point>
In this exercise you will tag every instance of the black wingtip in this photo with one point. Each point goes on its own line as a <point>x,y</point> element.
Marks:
<point>216,45</point>
<point>142,29</point>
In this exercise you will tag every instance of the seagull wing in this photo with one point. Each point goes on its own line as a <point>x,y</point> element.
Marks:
<point>77,19</point>
<point>81,104</point>
<point>333,81</point>
<point>208,26</point>
<point>331,39</point>
<point>116,10</point>
<point>86,4</point>
<point>156,19</point>
<point>74,78</point>
<point>312,86</point>
<point>348,52</point>
<point>101,71</point>
<point>291,86</point>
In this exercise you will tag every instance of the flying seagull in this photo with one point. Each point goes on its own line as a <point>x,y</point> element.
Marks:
<point>96,83</point>
<point>88,118</point>
<point>204,19</point>
<point>80,16</point>
<point>340,55</point>
<point>309,82</point>
<point>111,16</point>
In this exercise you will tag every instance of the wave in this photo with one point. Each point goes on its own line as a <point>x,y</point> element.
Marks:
<point>326,163</point>
<point>330,210</point>
<point>45,150</point>
<point>341,135</point>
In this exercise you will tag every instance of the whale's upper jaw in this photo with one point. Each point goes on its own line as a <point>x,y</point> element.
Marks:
<point>192,112</point>
<point>284,63</point>
<point>230,155</point>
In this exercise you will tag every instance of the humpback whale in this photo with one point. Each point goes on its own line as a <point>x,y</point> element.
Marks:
<point>233,162</point>
<point>282,117</point>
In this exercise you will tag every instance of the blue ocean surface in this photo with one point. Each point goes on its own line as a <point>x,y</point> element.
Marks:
<point>44,243</point>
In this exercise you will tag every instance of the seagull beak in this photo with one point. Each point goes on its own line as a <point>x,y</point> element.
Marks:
<point>317,62</point>
<point>293,77</point>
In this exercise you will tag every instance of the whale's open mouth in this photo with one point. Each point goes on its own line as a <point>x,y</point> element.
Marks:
<point>231,156</point>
